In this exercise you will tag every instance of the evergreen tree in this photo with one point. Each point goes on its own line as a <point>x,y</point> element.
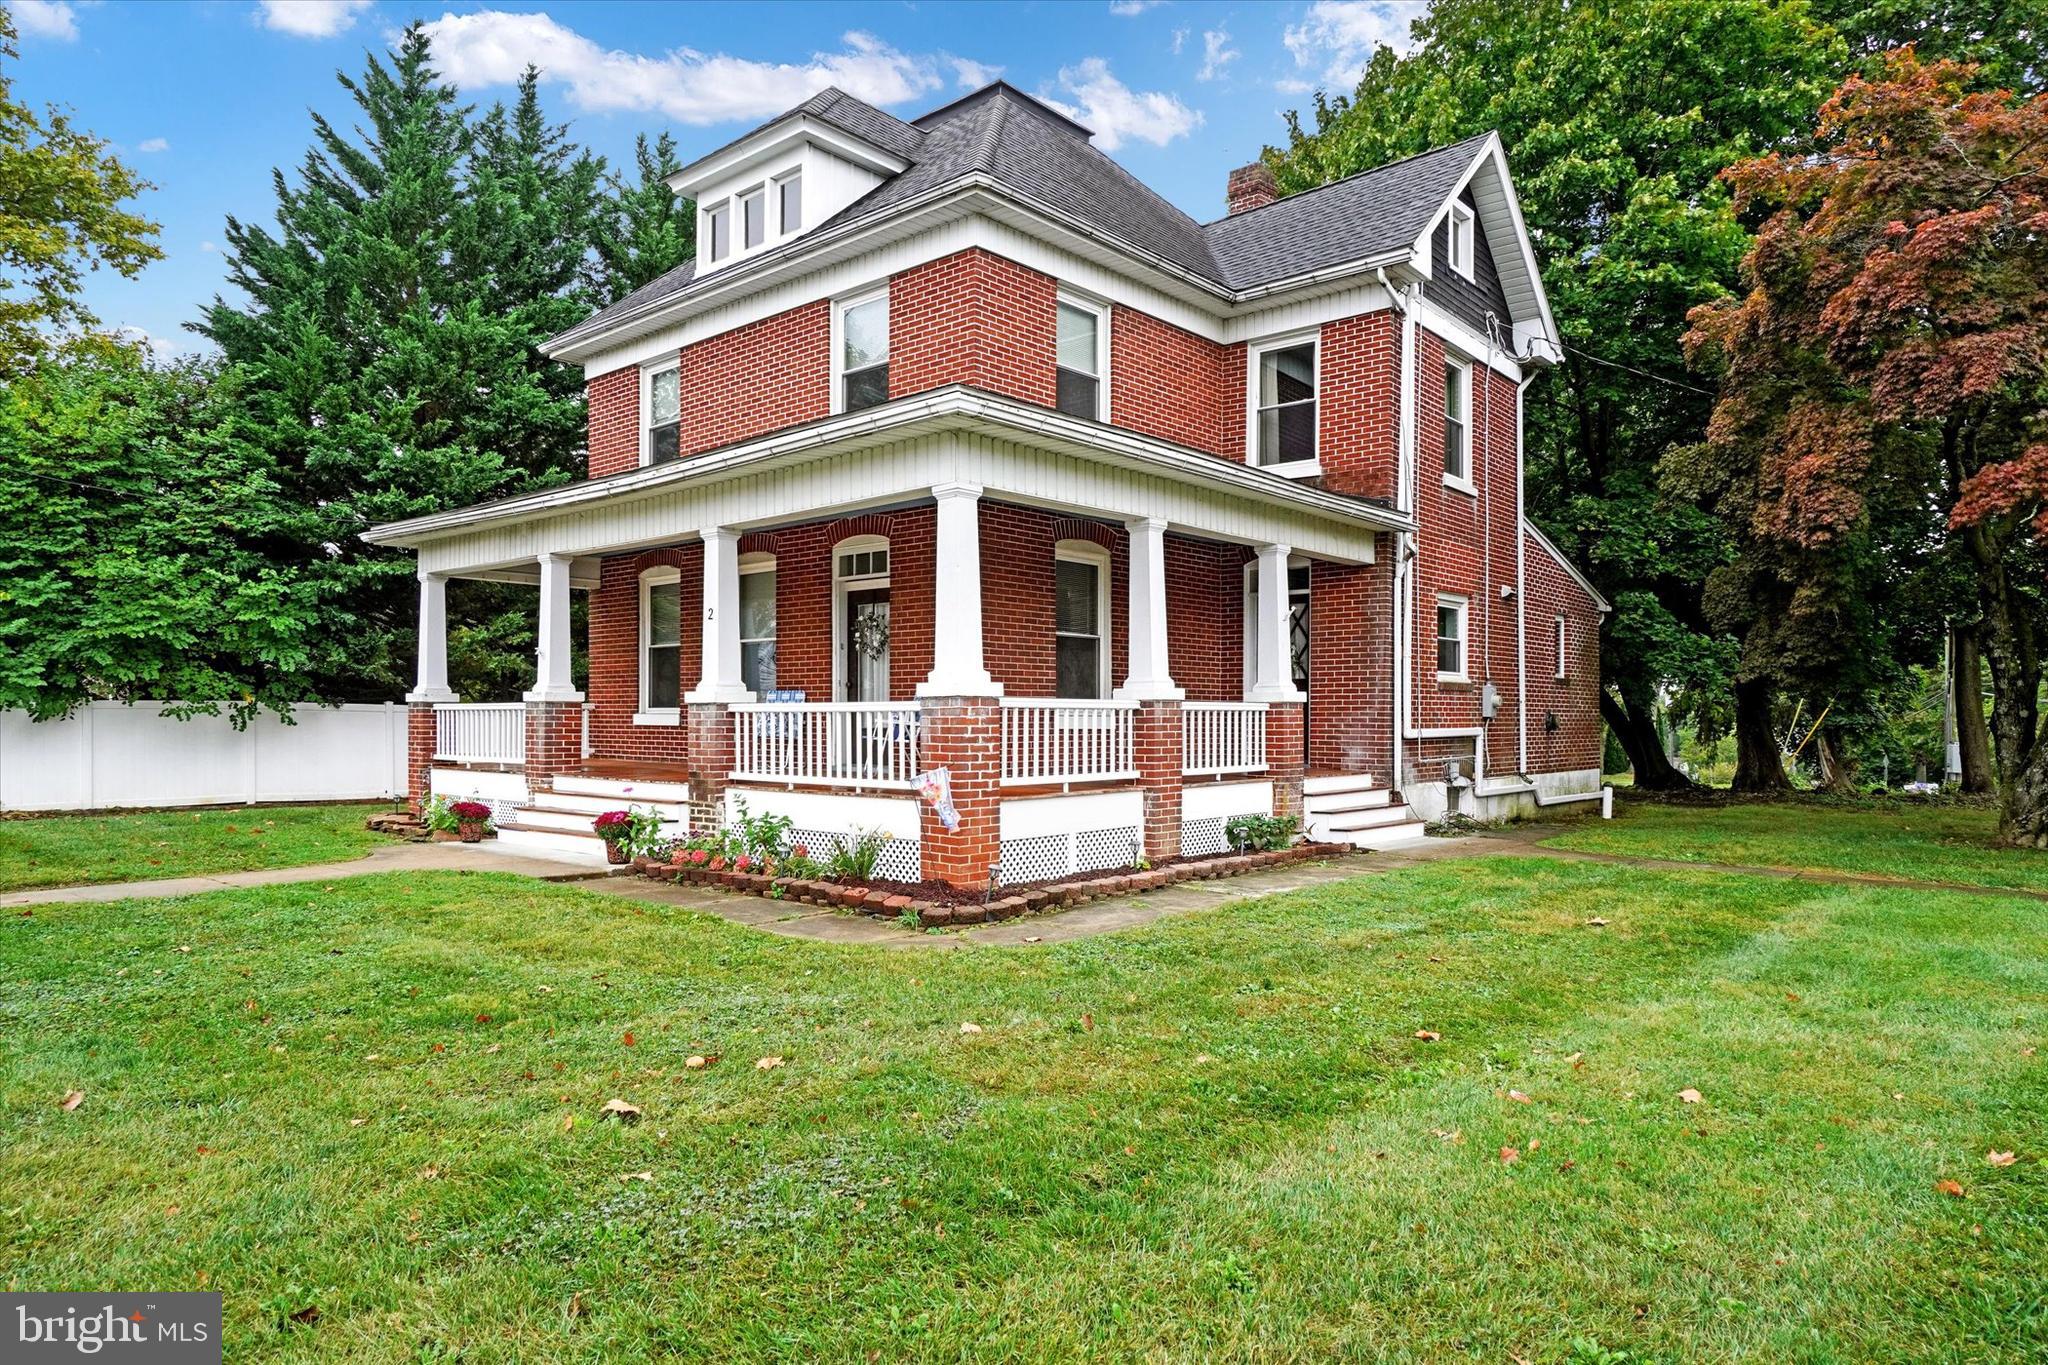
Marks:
<point>647,230</point>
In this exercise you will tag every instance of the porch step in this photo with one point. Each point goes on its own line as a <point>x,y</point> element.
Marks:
<point>619,790</point>
<point>590,807</point>
<point>1364,818</point>
<point>1335,784</point>
<point>1350,809</point>
<point>548,814</point>
<point>1385,838</point>
<point>516,836</point>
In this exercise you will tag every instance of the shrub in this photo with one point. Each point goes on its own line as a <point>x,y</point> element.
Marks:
<point>1262,833</point>
<point>855,861</point>
<point>639,831</point>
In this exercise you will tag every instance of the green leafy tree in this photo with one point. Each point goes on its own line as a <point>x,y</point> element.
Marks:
<point>1618,118</point>
<point>388,346</point>
<point>646,230</point>
<point>62,213</point>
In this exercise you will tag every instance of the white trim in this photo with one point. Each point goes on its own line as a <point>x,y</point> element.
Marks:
<point>840,307</point>
<point>1561,630</point>
<point>1251,611</point>
<point>774,141</point>
<point>1602,603</point>
<point>1096,557</point>
<point>758,562</point>
<point>643,418</point>
<point>1100,310</point>
<point>708,234</point>
<point>756,191</point>
<point>658,576</point>
<point>1541,331</point>
<point>1454,364</point>
<point>1292,469</point>
<point>1460,215</point>
<point>862,582</point>
<point>1463,673</point>
<point>777,184</point>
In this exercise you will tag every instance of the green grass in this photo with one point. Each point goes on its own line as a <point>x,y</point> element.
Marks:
<point>1915,841</point>
<point>1213,1139</point>
<point>74,850</point>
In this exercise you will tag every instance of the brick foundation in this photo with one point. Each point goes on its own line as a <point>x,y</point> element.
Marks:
<point>420,739</point>
<point>1283,756</point>
<point>709,735</point>
<point>554,740</point>
<point>964,735</point>
<point>1156,742</point>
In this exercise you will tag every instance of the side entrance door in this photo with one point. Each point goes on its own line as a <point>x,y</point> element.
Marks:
<point>867,644</point>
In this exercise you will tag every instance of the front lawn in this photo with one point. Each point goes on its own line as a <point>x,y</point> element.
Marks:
<point>369,1116</point>
<point>1889,837</point>
<point>73,850</point>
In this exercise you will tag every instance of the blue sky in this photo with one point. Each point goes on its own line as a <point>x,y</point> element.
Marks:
<point>205,98</point>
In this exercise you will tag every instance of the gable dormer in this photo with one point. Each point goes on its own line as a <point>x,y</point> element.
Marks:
<point>790,175</point>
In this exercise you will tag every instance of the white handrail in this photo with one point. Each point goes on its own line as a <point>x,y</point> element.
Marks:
<point>480,732</point>
<point>1222,737</point>
<point>1047,740</point>
<point>831,743</point>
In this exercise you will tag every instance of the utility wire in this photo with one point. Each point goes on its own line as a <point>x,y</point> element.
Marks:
<point>1645,374</point>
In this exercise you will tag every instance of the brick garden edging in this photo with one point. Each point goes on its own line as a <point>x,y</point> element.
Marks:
<point>880,902</point>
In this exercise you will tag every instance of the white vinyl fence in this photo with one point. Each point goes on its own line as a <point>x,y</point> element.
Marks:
<point>109,755</point>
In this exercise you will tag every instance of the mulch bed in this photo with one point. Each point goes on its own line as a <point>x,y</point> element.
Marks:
<point>940,904</point>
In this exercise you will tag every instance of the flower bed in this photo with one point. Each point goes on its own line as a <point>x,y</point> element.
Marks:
<point>937,905</point>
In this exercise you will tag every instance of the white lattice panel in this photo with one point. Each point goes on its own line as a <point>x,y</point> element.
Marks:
<point>1037,859</point>
<point>1201,838</point>
<point>901,859</point>
<point>1095,849</point>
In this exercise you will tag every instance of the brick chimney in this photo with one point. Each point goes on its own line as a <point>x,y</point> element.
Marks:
<point>1251,187</point>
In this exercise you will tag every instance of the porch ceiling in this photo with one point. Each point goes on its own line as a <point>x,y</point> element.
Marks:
<point>891,454</point>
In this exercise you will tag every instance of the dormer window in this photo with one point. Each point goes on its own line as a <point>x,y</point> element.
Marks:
<point>1459,238</point>
<point>753,219</point>
<point>863,352</point>
<point>718,230</point>
<point>789,193</point>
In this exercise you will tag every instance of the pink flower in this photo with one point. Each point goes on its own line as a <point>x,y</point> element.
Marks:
<point>799,852</point>
<point>743,864</point>
<point>718,864</point>
<point>699,856</point>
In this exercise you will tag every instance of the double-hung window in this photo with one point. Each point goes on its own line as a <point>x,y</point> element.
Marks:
<point>863,352</point>
<point>718,231</point>
<point>753,219</point>
<point>1458,238</point>
<point>757,624</point>
<point>1457,423</point>
<point>789,195</point>
<point>1450,639</point>
<point>661,640</point>
<point>1081,620</point>
<point>1079,363</point>
<point>662,440</point>
<point>1284,404</point>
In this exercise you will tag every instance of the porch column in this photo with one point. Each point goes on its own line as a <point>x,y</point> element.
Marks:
<point>720,629</point>
<point>1150,677</point>
<point>554,708</point>
<point>431,682</point>
<point>958,669</point>
<point>1273,679</point>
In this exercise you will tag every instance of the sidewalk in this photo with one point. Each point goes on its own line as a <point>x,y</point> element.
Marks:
<point>382,858</point>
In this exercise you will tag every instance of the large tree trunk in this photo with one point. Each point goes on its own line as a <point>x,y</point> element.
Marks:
<point>1973,736</point>
<point>1759,763</point>
<point>2011,647</point>
<point>1837,774</point>
<point>2023,816</point>
<point>1636,727</point>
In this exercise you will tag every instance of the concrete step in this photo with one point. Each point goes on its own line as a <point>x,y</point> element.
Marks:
<point>539,842</point>
<point>1388,837</point>
<point>1371,817</point>
<point>1331,784</point>
<point>594,806</point>
<point>1339,803</point>
<point>622,790</point>
<point>675,822</point>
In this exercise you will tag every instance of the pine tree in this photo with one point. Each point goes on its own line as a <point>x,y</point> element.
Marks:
<point>647,230</point>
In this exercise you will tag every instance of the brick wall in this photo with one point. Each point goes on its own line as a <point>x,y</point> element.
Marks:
<point>614,403</point>
<point>964,736</point>
<point>1358,420</point>
<point>420,739</point>
<point>1174,385</point>
<point>1205,617</point>
<point>1574,702</point>
<point>973,318</point>
<point>1156,748</point>
<point>1017,551</point>
<point>614,633</point>
<point>1351,666</point>
<point>554,740</point>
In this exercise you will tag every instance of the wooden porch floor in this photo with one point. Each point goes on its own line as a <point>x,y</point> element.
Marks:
<point>645,770</point>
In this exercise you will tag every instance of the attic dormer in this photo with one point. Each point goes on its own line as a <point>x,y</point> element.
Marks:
<point>786,178</point>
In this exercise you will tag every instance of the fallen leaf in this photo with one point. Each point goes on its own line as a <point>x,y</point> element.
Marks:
<point>1509,1156</point>
<point>628,1039</point>
<point>430,1172</point>
<point>1689,1095</point>
<point>1427,1036</point>
<point>1951,1188</point>
<point>697,1063</point>
<point>1597,922</point>
<point>2000,1158</point>
<point>1791,996</point>
<point>1454,1136</point>
<point>1534,1143</point>
<point>170,1210</point>
<point>183,949</point>
<point>767,1063</point>
<point>575,1309</point>
<point>72,1099</point>
<point>970,1028</point>
<point>1519,1098</point>
<point>1201,1057</point>
<point>1087,1023</point>
<point>483,1018</point>
<point>494,1047</point>
<point>1032,938</point>
<point>545,990</point>
<point>620,1110</point>
<point>357,1123</point>
<point>637,1175</point>
<point>568,1122</point>
<point>309,1314</point>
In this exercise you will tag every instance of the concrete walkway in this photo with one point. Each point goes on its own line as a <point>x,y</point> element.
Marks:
<point>393,857</point>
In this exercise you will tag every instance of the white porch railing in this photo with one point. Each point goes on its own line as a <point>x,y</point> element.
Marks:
<point>480,732</point>
<point>1051,740</point>
<point>834,743</point>
<point>1222,737</point>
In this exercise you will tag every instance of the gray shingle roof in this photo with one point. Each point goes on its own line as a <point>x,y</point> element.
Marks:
<point>1045,157</point>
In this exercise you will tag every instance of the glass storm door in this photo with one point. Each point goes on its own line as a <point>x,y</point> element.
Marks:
<point>867,644</point>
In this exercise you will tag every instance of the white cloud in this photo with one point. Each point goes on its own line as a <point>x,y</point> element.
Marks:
<point>1217,53</point>
<point>1180,40</point>
<point>969,74</point>
<point>154,144</point>
<point>46,19</point>
<point>1117,113</point>
<point>312,18</point>
<point>492,47</point>
<point>1338,37</point>
<point>1127,8</point>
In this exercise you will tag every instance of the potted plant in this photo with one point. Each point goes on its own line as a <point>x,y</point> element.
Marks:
<point>472,820</point>
<point>615,827</point>
<point>439,818</point>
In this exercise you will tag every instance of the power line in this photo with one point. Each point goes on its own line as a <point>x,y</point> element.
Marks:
<point>74,483</point>
<point>1643,374</point>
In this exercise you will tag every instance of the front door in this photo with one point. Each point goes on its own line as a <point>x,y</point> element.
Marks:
<point>867,644</point>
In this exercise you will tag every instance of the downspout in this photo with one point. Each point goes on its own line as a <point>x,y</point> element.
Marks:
<point>1404,541</point>
<point>1521,585</point>
<point>1486,570</point>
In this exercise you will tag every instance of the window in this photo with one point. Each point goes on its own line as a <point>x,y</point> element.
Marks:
<point>789,193</point>
<point>661,640</point>
<point>757,623</point>
<point>864,564</point>
<point>718,231</point>
<point>1079,365</point>
<point>1284,399</point>
<point>753,219</point>
<point>1457,426</point>
<point>1458,238</point>
<point>1450,638</point>
<point>1081,619</point>
<point>863,352</point>
<point>662,441</point>
<point>1560,649</point>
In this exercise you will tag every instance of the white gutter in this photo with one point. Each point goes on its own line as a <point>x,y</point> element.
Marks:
<point>1521,582</point>
<point>1404,541</point>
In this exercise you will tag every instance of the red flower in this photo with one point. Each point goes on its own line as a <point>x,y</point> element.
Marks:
<point>743,864</point>
<point>699,856</point>
<point>718,864</point>
<point>799,852</point>
<point>470,811</point>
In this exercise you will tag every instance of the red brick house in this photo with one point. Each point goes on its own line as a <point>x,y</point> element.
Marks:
<point>958,449</point>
